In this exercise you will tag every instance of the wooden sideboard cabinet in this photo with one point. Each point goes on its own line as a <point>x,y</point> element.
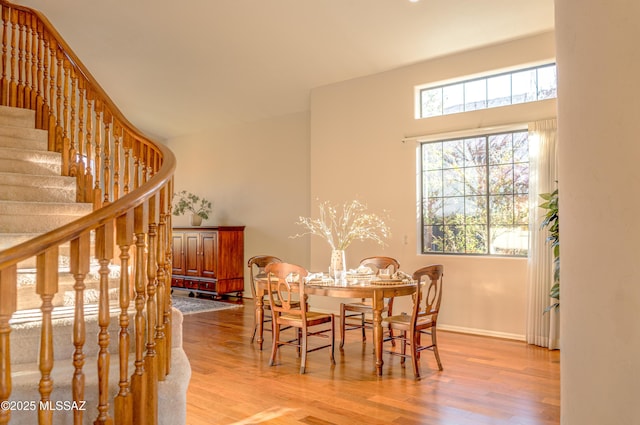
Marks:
<point>208,260</point>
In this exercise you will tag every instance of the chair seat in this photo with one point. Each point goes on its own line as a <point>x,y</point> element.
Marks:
<point>362,307</point>
<point>313,318</point>
<point>403,321</point>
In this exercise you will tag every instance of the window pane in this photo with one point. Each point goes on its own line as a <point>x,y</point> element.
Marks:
<point>453,154</point>
<point>500,149</point>
<point>475,95</point>
<point>454,237</point>
<point>435,212</point>
<point>521,210</point>
<point>501,179</point>
<point>475,180</point>
<point>475,209</point>
<point>433,184</point>
<point>524,86</point>
<point>520,147</point>
<point>501,210</point>
<point>509,240</point>
<point>453,182</point>
<point>476,239</point>
<point>499,90</point>
<point>547,82</point>
<point>521,178</point>
<point>433,241</point>
<point>453,98</point>
<point>454,210</point>
<point>431,101</point>
<point>432,156</point>
<point>475,151</point>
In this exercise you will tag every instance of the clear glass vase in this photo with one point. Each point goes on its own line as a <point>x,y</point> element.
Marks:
<point>338,264</point>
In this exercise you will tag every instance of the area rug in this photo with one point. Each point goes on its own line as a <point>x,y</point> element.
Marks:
<point>192,305</point>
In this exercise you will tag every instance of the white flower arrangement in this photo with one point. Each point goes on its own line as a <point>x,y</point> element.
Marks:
<point>339,229</point>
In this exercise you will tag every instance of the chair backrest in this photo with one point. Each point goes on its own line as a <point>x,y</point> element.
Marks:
<point>426,300</point>
<point>378,263</point>
<point>286,288</point>
<point>257,266</point>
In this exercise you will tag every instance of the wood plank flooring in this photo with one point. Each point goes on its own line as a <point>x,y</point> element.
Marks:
<point>485,380</point>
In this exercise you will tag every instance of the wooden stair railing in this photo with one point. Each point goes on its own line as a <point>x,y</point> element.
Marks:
<point>129,180</point>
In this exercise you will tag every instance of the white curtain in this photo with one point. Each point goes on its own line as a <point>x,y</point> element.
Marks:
<point>543,329</point>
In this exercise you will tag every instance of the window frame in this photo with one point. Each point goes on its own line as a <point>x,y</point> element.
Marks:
<point>451,84</point>
<point>422,200</point>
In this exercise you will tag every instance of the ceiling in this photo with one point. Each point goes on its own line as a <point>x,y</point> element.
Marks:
<point>177,68</point>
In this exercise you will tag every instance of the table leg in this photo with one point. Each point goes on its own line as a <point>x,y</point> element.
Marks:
<point>378,305</point>
<point>260,319</point>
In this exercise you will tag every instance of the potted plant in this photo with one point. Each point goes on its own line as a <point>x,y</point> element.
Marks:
<point>551,222</point>
<point>199,208</point>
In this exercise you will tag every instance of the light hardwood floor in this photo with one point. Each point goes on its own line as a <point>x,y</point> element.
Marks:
<point>485,380</point>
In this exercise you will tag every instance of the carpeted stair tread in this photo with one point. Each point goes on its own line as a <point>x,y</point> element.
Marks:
<point>29,161</point>
<point>17,117</point>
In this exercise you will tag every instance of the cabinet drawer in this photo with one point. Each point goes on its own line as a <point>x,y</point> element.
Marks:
<point>191,284</point>
<point>208,286</point>
<point>177,282</point>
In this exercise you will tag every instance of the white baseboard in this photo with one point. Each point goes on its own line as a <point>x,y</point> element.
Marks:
<point>481,332</point>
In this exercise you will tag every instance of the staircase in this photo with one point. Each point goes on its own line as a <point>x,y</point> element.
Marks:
<point>34,197</point>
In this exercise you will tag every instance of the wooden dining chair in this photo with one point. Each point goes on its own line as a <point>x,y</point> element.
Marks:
<point>290,309</point>
<point>257,266</point>
<point>423,319</point>
<point>359,310</point>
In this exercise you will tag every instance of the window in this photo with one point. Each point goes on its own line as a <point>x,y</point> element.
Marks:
<point>526,85</point>
<point>475,195</point>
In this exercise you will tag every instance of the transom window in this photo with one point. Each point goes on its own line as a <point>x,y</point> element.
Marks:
<point>525,85</point>
<point>475,195</point>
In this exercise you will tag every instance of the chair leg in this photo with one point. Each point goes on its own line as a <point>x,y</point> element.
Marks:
<point>276,339</point>
<point>435,347</point>
<point>414,354</point>
<point>403,349</point>
<point>343,325</point>
<point>333,340</point>
<point>364,334</point>
<point>389,314</point>
<point>303,349</point>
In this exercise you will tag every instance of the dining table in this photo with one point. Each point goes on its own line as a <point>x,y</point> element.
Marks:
<point>350,287</point>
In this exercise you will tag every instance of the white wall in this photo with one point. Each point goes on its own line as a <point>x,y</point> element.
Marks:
<point>257,176</point>
<point>357,128</point>
<point>599,126</point>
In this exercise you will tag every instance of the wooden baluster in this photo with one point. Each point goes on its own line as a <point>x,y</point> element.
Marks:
<point>8,303</point>
<point>57,119</point>
<point>151,361</point>
<point>97,150</point>
<point>106,167</point>
<point>21,58</point>
<point>51,126</point>
<point>117,148</point>
<point>64,124</point>
<point>127,163</point>
<point>46,287</point>
<point>73,150</point>
<point>88,183</point>
<point>44,119</point>
<point>4,86</point>
<point>79,267</point>
<point>138,379</point>
<point>168,319</point>
<point>160,341</point>
<point>104,254</point>
<point>123,409</point>
<point>136,164</point>
<point>34,61</point>
<point>82,160</point>
<point>13,89</point>
<point>41,111</point>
